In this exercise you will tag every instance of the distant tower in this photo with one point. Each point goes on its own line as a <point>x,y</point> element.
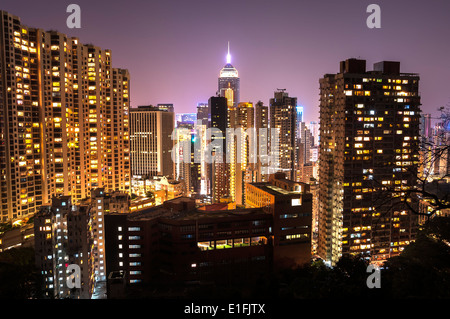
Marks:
<point>229,82</point>
<point>283,117</point>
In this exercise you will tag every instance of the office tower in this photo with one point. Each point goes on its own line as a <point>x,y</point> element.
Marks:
<point>229,87</point>
<point>64,117</point>
<point>306,141</point>
<point>182,148</point>
<point>185,118</point>
<point>203,113</point>
<point>299,113</point>
<point>290,205</point>
<point>369,135</point>
<point>165,107</point>
<point>314,128</point>
<point>63,238</point>
<point>219,168</point>
<point>245,158</point>
<point>440,151</point>
<point>201,127</point>
<point>187,157</point>
<point>304,167</point>
<point>427,148</point>
<point>262,139</point>
<point>151,141</point>
<point>425,126</point>
<point>229,83</point>
<point>283,117</point>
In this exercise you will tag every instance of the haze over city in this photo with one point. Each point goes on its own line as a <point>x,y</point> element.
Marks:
<point>174,50</point>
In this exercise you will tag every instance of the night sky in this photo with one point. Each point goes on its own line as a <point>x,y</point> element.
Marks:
<point>174,50</point>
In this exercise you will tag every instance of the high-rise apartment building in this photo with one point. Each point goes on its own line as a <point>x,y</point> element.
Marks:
<point>369,135</point>
<point>151,141</point>
<point>63,238</point>
<point>283,118</point>
<point>101,203</point>
<point>64,119</point>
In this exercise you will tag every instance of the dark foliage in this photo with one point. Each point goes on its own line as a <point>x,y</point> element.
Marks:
<point>19,278</point>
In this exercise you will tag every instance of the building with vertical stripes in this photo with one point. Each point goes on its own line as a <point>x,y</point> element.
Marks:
<point>63,119</point>
<point>151,141</point>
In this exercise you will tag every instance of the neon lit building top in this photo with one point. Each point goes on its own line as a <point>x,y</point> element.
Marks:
<point>229,71</point>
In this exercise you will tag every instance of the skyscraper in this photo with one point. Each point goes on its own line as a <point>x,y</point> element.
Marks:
<point>229,82</point>
<point>151,141</point>
<point>63,237</point>
<point>369,135</point>
<point>283,117</point>
<point>201,126</point>
<point>245,149</point>
<point>219,169</point>
<point>262,138</point>
<point>64,119</point>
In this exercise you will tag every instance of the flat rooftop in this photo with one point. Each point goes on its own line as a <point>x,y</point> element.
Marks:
<point>274,190</point>
<point>189,213</point>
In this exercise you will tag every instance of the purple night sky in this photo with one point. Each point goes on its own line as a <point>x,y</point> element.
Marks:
<point>175,49</point>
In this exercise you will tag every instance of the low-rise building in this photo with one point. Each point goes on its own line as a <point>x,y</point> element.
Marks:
<point>290,205</point>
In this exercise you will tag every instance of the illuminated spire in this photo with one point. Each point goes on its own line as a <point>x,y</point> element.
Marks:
<point>228,71</point>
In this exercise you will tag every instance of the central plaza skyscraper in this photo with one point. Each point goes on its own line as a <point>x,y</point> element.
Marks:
<point>223,117</point>
<point>229,83</point>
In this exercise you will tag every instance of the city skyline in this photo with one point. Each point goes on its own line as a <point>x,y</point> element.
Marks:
<point>219,149</point>
<point>171,41</point>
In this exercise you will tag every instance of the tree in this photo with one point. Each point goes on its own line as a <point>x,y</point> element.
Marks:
<point>19,277</point>
<point>423,269</point>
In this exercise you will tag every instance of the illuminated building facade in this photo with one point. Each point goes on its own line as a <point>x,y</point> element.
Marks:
<point>187,156</point>
<point>290,205</point>
<point>369,135</point>
<point>261,129</point>
<point>63,237</point>
<point>229,88</point>
<point>283,117</point>
<point>201,126</point>
<point>64,119</point>
<point>151,141</point>
<point>102,203</point>
<point>219,170</point>
<point>176,243</point>
<point>245,149</point>
<point>229,83</point>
